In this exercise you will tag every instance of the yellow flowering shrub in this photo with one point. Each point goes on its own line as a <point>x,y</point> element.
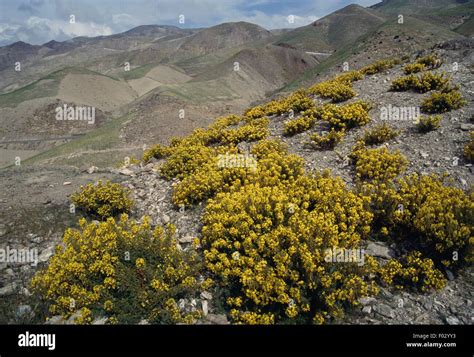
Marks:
<point>441,102</point>
<point>297,102</point>
<point>379,66</point>
<point>379,164</point>
<point>379,134</point>
<point>423,83</point>
<point>345,116</point>
<point>336,90</point>
<point>266,245</point>
<point>469,148</point>
<point>103,199</point>
<point>327,141</point>
<point>412,271</point>
<point>439,215</point>
<point>428,123</point>
<point>431,61</point>
<point>121,270</point>
<point>349,77</point>
<point>414,68</point>
<point>157,151</point>
<point>270,164</point>
<point>184,159</point>
<point>300,124</point>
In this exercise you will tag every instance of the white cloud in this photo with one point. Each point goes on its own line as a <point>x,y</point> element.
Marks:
<point>58,27</point>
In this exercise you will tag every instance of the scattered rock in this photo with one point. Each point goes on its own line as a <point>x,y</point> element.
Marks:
<point>379,249</point>
<point>55,320</point>
<point>165,219</point>
<point>100,321</point>
<point>217,319</point>
<point>24,311</point>
<point>126,172</point>
<point>46,254</point>
<point>206,295</point>
<point>466,126</point>
<point>205,308</point>
<point>452,320</point>
<point>8,289</point>
<point>92,169</point>
<point>367,309</point>
<point>186,239</point>
<point>67,183</point>
<point>385,311</point>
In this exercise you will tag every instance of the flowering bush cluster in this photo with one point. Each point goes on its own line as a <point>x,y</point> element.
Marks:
<point>304,122</point>
<point>103,200</point>
<point>327,141</point>
<point>333,89</point>
<point>157,151</point>
<point>273,165</point>
<point>412,271</point>
<point>296,102</point>
<point>379,66</point>
<point>413,68</point>
<point>429,61</point>
<point>440,215</point>
<point>423,83</point>
<point>444,101</point>
<point>379,134</point>
<point>378,164</point>
<point>266,245</point>
<point>345,116</point>
<point>124,271</point>
<point>422,63</point>
<point>428,123</point>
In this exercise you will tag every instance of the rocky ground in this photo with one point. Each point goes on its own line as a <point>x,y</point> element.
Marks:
<point>35,207</point>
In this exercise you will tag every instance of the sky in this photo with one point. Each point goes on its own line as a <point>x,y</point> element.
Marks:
<point>39,21</point>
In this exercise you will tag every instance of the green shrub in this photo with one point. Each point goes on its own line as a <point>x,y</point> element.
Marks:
<point>413,68</point>
<point>441,102</point>
<point>379,134</point>
<point>428,123</point>
<point>424,83</point>
<point>379,66</point>
<point>469,149</point>
<point>157,152</point>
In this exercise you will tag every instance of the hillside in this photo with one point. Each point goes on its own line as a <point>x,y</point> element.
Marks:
<point>317,175</point>
<point>335,30</point>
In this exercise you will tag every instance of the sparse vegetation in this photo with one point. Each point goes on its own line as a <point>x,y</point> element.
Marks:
<point>428,123</point>
<point>469,148</point>
<point>379,134</point>
<point>441,102</point>
<point>328,140</point>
